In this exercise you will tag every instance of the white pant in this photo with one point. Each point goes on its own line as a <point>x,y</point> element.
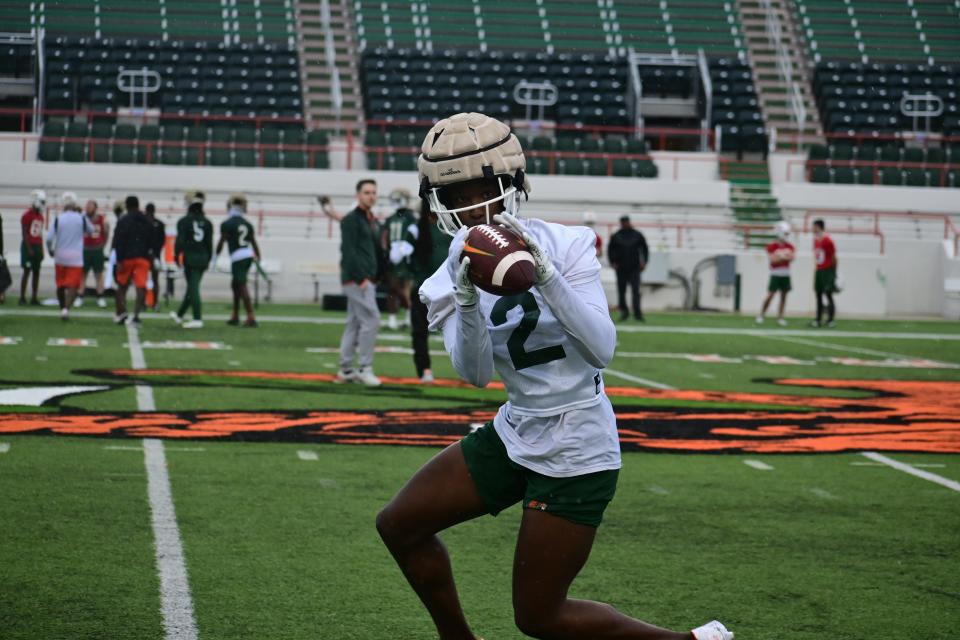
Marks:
<point>363,321</point>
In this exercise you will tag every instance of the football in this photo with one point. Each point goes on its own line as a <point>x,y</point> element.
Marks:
<point>499,261</point>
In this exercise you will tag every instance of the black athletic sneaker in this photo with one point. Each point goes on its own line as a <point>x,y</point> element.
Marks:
<point>233,322</point>
<point>251,323</point>
<point>120,319</point>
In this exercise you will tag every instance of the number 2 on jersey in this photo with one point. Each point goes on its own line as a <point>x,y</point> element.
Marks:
<point>520,357</point>
<point>241,236</point>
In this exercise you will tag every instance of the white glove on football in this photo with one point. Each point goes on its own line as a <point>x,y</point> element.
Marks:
<point>541,260</point>
<point>464,292</point>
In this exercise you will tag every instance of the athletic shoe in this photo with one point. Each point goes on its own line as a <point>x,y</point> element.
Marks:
<point>135,321</point>
<point>781,322</point>
<point>193,324</point>
<point>251,323</point>
<point>815,324</point>
<point>64,314</point>
<point>22,302</point>
<point>427,377</point>
<point>175,317</point>
<point>713,630</point>
<point>35,303</point>
<point>78,302</point>
<point>101,303</point>
<point>759,319</point>
<point>365,376</point>
<point>234,322</point>
<point>392,322</point>
<point>345,375</point>
<point>831,324</point>
<point>120,318</point>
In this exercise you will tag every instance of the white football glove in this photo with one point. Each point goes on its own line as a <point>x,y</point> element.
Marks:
<point>464,292</point>
<point>541,260</point>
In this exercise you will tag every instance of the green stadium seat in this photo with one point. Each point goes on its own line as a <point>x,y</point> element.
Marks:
<point>198,133</point>
<point>403,162</point>
<point>100,151</point>
<point>865,153</point>
<point>890,153</point>
<point>636,146</point>
<point>220,157</point>
<point>866,175</point>
<point>221,133</point>
<point>244,158</point>
<point>820,174</point>
<point>543,143</point>
<point>935,178</point>
<point>150,132</point>
<point>953,178</point>
<point>596,167</point>
<point>245,135</point>
<point>891,176</point>
<point>622,168</point>
<point>101,130</point>
<point>174,132</point>
<point>54,129</point>
<point>122,152</point>
<point>125,131</point>
<point>915,177</point>
<point>294,137</point>
<point>841,152</point>
<point>818,152</point>
<point>843,175</point>
<point>590,144</point>
<point>935,155</point>
<point>270,158</point>
<point>536,165</point>
<point>566,143</point>
<point>78,130</point>
<point>49,150</point>
<point>74,152</point>
<point>192,156</point>
<point>320,159</point>
<point>570,166</point>
<point>318,137</point>
<point>269,135</point>
<point>615,144</point>
<point>647,169</point>
<point>170,155</point>
<point>294,159</point>
<point>374,138</point>
<point>913,155</point>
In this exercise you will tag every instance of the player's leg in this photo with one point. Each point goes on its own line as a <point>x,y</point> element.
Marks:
<point>818,292</point>
<point>766,303</point>
<point>235,314</point>
<point>831,308</point>
<point>550,553</point>
<point>195,302</point>
<point>783,303</point>
<point>185,304</point>
<point>635,292</point>
<point>348,339</point>
<point>369,318</point>
<point>419,335</point>
<point>622,294</point>
<point>441,494</point>
<point>24,278</point>
<point>35,284</point>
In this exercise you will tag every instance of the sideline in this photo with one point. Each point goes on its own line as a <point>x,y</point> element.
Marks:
<point>176,603</point>
<point>637,379</point>
<point>731,331</point>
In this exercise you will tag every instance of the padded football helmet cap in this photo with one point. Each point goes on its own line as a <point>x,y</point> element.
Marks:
<point>465,147</point>
<point>38,198</point>
<point>782,229</point>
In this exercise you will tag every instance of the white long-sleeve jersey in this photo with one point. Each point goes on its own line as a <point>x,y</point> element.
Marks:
<point>548,345</point>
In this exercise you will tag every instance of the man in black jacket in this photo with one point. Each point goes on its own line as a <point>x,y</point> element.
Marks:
<point>134,243</point>
<point>628,255</point>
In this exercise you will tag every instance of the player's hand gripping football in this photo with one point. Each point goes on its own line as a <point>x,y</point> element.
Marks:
<point>542,261</point>
<point>464,292</point>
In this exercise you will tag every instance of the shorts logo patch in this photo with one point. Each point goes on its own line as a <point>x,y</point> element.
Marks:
<point>539,506</point>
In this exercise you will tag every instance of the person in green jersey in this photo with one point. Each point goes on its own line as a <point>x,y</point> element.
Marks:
<point>429,250</point>
<point>193,250</point>
<point>398,274</point>
<point>237,233</point>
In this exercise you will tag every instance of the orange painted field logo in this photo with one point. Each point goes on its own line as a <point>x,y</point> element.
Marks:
<point>895,416</point>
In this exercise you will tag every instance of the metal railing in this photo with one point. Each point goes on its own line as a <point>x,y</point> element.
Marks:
<point>785,66</point>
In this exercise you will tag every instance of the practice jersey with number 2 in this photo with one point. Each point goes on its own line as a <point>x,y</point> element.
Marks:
<point>557,421</point>
<point>238,232</point>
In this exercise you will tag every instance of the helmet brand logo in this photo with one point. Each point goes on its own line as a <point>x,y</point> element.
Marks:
<point>450,172</point>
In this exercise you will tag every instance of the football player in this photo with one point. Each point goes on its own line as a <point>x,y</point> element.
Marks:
<point>193,250</point>
<point>93,246</point>
<point>825,277</point>
<point>780,254</point>
<point>392,241</point>
<point>554,445</point>
<point>237,233</point>
<point>31,247</point>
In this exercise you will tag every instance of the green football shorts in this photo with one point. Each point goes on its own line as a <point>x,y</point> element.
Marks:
<point>501,483</point>
<point>93,260</point>
<point>31,256</point>
<point>240,269</point>
<point>825,280</point>
<point>779,283</point>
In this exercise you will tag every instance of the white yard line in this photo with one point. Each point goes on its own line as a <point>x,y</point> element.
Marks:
<point>308,455</point>
<point>912,470</point>
<point>841,347</point>
<point>730,331</point>
<point>823,493</point>
<point>756,464</point>
<point>638,380</point>
<point>176,603</point>
<point>660,491</point>
<point>4,447</point>
<point>877,464</point>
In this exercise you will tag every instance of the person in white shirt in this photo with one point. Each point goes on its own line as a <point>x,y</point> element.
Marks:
<point>553,445</point>
<point>65,243</point>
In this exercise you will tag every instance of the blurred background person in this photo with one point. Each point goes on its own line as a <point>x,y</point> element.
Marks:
<point>31,245</point>
<point>590,220</point>
<point>780,254</point>
<point>193,251</point>
<point>825,276</point>
<point>392,241</point>
<point>132,248</point>
<point>430,246</point>
<point>359,249</point>
<point>65,244</point>
<point>628,255</point>
<point>237,233</point>
<point>5,279</point>
<point>93,246</point>
<point>159,239</point>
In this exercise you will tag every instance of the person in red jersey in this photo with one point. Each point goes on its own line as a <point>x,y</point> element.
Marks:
<point>825,278</point>
<point>31,248</point>
<point>780,253</point>
<point>93,245</point>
